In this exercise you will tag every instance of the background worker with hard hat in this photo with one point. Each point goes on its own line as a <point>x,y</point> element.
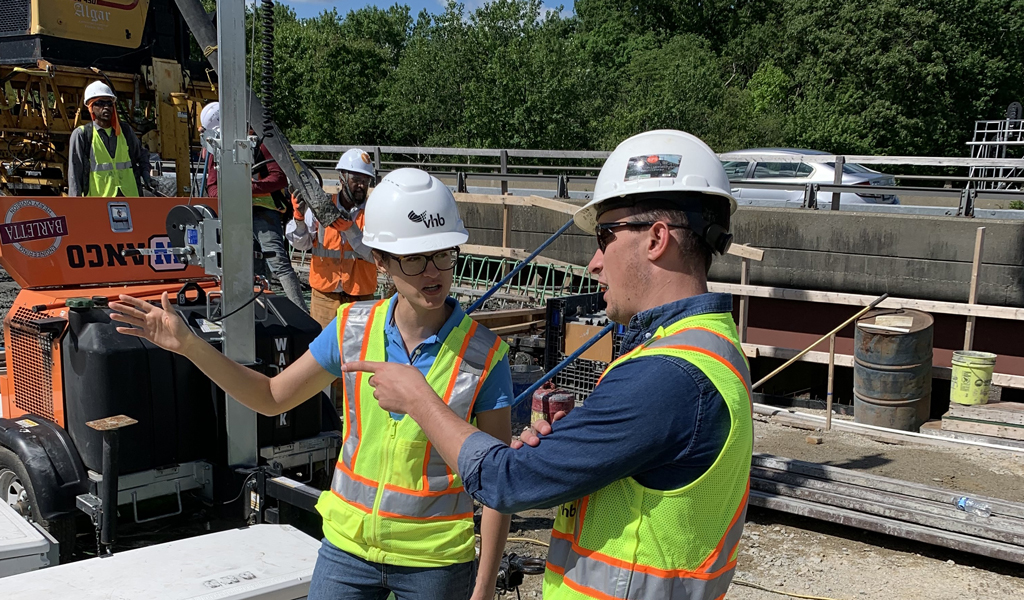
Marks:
<point>341,269</point>
<point>270,204</point>
<point>396,518</point>
<point>105,158</point>
<point>652,472</point>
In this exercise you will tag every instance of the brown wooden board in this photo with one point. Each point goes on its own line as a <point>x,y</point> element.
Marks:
<point>996,412</point>
<point>1011,432</point>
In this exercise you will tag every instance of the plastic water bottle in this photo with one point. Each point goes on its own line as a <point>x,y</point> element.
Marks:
<point>973,506</point>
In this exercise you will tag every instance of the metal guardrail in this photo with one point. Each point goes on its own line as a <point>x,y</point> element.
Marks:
<point>563,175</point>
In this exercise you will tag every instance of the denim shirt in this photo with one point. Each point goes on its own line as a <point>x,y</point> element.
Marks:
<point>657,419</point>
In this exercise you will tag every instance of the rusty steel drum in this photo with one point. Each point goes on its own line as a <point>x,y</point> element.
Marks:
<point>892,371</point>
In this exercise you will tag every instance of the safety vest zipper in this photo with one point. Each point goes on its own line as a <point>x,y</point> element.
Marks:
<point>373,538</point>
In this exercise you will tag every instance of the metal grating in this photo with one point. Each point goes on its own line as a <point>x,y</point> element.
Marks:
<point>14,17</point>
<point>31,363</point>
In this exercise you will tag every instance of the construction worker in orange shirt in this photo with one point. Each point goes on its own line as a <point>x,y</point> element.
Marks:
<point>341,269</point>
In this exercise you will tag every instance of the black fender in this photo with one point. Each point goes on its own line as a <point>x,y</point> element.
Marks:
<point>51,459</point>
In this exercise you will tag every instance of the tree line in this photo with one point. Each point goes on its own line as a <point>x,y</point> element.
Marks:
<point>899,77</point>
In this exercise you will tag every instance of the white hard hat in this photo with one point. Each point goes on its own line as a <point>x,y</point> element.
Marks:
<point>356,161</point>
<point>98,89</point>
<point>665,160</point>
<point>209,118</point>
<point>412,212</point>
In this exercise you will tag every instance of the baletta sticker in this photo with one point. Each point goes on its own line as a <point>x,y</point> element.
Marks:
<point>45,225</point>
<point>652,166</point>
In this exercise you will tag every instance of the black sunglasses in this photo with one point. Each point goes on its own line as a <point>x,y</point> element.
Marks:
<point>415,264</point>
<point>605,235</point>
<point>103,104</point>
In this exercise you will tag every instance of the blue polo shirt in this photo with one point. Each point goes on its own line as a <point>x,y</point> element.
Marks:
<point>497,388</point>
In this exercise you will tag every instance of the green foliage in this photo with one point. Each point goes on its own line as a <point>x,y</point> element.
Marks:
<point>863,76</point>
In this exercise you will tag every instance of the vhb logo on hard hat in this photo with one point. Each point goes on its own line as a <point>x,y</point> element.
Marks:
<point>428,221</point>
<point>432,220</point>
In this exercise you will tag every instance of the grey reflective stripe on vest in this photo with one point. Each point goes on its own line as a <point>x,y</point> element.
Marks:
<point>712,342</point>
<point>354,491</point>
<point>426,507</point>
<point>107,166</point>
<point>319,250</point>
<point>618,582</point>
<point>351,348</point>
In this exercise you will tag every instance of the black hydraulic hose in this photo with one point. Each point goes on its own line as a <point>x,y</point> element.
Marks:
<point>267,79</point>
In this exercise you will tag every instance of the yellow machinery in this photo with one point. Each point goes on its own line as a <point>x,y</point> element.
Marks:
<point>51,49</point>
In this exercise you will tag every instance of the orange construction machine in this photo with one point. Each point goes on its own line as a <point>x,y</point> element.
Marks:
<point>67,371</point>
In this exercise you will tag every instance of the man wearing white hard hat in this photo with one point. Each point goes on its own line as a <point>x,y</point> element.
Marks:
<point>270,204</point>
<point>105,158</point>
<point>395,519</point>
<point>651,474</point>
<point>341,269</point>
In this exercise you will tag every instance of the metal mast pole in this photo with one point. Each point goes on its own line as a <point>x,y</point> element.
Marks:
<point>235,199</point>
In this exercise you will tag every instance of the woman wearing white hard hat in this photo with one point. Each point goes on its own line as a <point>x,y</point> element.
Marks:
<point>396,517</point>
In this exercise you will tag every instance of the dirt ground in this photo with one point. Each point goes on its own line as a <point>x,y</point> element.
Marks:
<point>783,552</point>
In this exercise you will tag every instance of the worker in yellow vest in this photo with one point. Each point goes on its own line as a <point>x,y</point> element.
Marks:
<point>341,269</point>
<point>105,158</point>
<point>651,474</point>
<point>396,517</point>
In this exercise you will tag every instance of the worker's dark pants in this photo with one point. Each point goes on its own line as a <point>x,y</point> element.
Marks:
<point>267,227</point>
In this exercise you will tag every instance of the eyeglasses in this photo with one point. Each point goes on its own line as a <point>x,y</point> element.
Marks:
<point>357,177</point>
<point>415,264</point>
<point>605,235</point>
<point>103,104</point>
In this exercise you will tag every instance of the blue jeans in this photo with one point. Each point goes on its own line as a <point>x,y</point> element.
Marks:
<point>339,575</point>
<point>267,227</point>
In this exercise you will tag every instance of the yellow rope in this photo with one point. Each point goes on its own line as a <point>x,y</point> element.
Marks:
<point>209,50</point>
<point>779,592</point>
<point>529,541</point>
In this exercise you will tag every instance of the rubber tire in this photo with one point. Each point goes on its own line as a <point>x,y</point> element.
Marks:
<point>63,529</point>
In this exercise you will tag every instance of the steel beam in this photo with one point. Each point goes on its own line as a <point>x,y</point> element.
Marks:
<point>235,199</point>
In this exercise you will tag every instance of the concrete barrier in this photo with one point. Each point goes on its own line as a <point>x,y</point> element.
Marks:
<point>910,256</point>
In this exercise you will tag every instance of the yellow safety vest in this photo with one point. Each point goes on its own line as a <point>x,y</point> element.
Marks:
<point>110,177</point>
<point>393,500</point>
<point>631,542</point>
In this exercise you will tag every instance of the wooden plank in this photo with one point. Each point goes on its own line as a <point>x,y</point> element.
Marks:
<point>994,412</point>
<point>484,315</point>
<point>1012,432</point>
<point>932,306</point>
<point>935,428</point>
<point>744,301</point>
<point>846,360</point>
<point>517,328</point>
<point>745,251</point>
<point>920,533</point>
<point>972,297</point>
<point>890,436</point>
<point>514,253</point>
<point>555,205</point>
